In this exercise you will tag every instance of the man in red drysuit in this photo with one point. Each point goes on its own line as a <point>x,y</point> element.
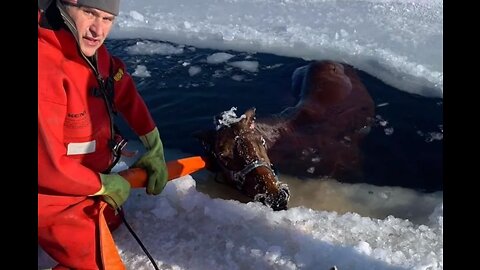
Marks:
<point>80,87</point>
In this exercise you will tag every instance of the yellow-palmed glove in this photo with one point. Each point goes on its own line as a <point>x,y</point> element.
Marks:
<point>115,189</point>
<point>153,161</point>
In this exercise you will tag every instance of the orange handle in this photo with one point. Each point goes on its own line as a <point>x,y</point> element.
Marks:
<point>137,177</point>
<point>176,168</point>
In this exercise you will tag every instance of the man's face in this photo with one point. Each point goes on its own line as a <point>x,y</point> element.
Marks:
<point>93,26</point>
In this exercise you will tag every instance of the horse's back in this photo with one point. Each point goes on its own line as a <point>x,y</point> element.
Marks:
<point>323,132</point>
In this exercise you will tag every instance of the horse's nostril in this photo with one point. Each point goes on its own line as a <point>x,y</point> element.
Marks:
<point>260,198</point>
<point>281,205</point>
<point>285,191</point>
<point>283,198</point>
<point>277,201</point>
<point>280,201</point>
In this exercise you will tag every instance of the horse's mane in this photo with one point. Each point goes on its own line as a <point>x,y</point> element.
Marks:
<point>272,128</point>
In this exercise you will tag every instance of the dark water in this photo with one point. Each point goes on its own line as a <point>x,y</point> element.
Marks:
<point>404,148</point>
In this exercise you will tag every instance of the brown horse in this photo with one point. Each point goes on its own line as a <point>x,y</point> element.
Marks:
<point>319,136</point>
<point>237,149</point>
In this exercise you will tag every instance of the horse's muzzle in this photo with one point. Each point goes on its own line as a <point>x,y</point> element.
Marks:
<point>277,201</point>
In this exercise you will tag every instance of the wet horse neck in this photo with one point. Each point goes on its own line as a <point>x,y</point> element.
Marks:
<point>277,126</point>
<point>272,129</point>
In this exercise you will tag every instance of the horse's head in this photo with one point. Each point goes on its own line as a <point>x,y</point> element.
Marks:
<point>240,152</point>
<point>327,83</point>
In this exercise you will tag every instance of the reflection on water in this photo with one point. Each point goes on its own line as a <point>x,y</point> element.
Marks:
<point>331,195</point>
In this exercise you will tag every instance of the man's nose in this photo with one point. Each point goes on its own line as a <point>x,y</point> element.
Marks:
<point>97,28</point>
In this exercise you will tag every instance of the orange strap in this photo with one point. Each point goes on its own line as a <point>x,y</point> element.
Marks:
<point>110,258</point>
<point>176,168</point>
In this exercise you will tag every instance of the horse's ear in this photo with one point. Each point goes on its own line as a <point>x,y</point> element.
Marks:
<point>299,82</point>
<point>250,117</point>
<point>250,112</point>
